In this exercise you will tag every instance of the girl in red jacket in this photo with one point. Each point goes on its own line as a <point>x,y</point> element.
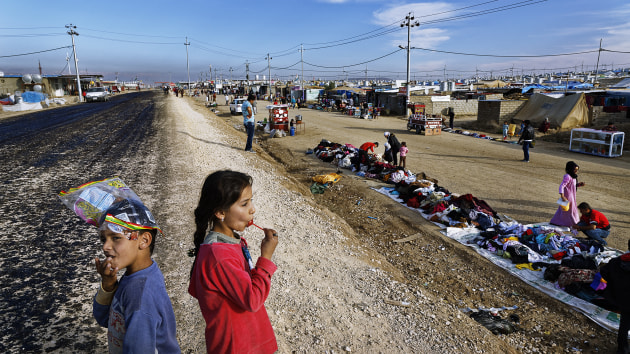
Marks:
<point>231,290</point>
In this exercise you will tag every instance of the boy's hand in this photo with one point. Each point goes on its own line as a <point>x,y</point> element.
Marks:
<point>108,274</point>
<point>269,243</point>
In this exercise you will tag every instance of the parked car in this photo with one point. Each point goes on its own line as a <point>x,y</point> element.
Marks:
<point>236,106</point>
<point>97,94</point>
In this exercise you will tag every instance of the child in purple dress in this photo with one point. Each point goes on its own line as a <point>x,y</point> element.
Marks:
<point>567,190</point>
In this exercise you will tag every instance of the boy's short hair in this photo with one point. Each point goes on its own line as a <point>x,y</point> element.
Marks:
<point>584,206</point>
<point>129,215</point>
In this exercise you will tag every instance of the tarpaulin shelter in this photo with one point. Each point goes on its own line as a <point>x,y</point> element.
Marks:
<point>490,84</point>
<point>565,112</point>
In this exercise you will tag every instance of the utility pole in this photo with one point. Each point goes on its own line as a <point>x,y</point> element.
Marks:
<point>231,74</point>
<point>407,22</point>
<point>72,33</point>
<point>597,66</point>
<point>302,60</point>
<point>210,70</point>
<point>68,63</point>
<point>269,69</point>
<point>187,66</point>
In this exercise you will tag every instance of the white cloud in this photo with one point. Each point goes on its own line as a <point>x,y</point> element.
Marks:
<point>422,12</point>
<point>425,36</point>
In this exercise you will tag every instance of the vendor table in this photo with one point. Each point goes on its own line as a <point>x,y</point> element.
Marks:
<point>596,142</point>
<point>300,125</point>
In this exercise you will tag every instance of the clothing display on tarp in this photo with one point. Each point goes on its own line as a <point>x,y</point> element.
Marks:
<point>520,249</point>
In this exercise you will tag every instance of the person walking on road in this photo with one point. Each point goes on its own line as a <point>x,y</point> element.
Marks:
<point>527,137</point>
<point>249,121</point>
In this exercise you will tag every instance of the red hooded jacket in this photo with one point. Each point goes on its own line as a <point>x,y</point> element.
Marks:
<point>232,299</point>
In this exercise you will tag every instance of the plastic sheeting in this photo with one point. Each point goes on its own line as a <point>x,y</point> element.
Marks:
<point>22,106</point>
<point>33,97</point>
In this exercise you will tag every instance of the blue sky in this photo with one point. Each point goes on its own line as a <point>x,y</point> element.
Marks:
<point>145,39</point>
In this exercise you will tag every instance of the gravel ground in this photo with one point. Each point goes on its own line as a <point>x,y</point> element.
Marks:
<point>324,297</point>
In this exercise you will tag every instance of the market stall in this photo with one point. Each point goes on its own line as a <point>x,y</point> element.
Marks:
<point>279,116</point>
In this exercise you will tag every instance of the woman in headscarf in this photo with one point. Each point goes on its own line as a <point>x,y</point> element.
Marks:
<point>567,190</point>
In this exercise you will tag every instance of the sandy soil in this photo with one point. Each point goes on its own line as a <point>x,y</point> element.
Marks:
<point>492,171</point>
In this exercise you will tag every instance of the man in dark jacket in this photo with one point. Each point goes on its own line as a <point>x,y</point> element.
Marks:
<point>395,145</point>
<point>527,137</point>
<point>617,275</point>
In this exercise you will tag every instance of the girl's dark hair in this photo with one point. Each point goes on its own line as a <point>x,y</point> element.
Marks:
<point>220,191</point>
<point>570,169</point>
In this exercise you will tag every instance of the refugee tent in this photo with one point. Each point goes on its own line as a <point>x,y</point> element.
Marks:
<point>625,83</point>
<point>565,112</point>
<point>534,86</point>
<point>491,84</point>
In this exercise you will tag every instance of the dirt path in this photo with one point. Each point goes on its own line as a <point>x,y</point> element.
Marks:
<point>492,171</point>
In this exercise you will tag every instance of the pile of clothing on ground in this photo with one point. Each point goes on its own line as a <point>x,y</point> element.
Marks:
<point>478,135</point>
<point>570,263</point>
<point>347,156</point>
<point>467,133</point>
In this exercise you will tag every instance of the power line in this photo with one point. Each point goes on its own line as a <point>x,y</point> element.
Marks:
<point>614,51</point>
<point>41,51</point>
<point>130,34</point>
<point>485,12</point>
<point>350,65</point>
<point>130,41</point>
<point>359,35</point>
<point>357,40</point>
<point>506,56</point>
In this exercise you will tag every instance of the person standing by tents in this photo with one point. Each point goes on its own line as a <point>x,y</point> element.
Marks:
<point>451,117</point>
<point>527,137</point>
<point>395,144</point>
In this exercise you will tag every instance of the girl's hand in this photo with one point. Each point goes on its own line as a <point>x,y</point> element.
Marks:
<point>581,184</point>
<point>108,274</point>
<point>269,243</point>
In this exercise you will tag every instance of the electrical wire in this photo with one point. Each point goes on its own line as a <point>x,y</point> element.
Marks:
<point>129,34</point>
<point>359,35</point>
<point>506,56</point>
<point>30,35</point>
<point>290,66</point>
<point>129,41</point>
<point>41,51</point>
<point>351,65</point>
<point>357,40</point>
<point>614,51</point>
<point>459,9</point>
<point>485,12</point>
